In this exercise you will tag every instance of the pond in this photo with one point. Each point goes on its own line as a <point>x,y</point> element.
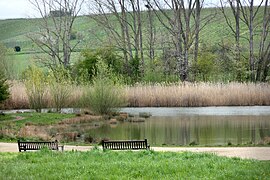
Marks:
<point>189,126</point>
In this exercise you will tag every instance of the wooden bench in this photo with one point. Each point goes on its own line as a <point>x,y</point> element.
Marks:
<point>53,145</point>
<point>125,145</point>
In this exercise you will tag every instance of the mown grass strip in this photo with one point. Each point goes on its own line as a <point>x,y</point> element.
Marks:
<point>97,164</point>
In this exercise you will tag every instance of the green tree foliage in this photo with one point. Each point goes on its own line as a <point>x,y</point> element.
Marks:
<point>4,88</point>
<point>90,59</point>
<point>228,68</point>
<point>205,65</point>
<point>6,65</point>
<point>135,69</point>
<point>155,73</point>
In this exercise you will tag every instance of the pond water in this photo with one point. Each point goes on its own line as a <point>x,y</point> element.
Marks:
<point>187,126</point>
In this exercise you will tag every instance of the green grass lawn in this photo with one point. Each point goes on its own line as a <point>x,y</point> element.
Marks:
<point>97,164</point>
<point>33,118</point>
<point>14,122</point>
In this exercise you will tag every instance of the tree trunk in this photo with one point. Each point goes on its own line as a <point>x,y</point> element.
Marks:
<point>197,31</point>
<point>251,50</point>
<point>140,37</point>
<point>150,33</point>
<point>262,62</point>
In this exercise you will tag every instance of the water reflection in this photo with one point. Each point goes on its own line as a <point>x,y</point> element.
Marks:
<point>193,129</point>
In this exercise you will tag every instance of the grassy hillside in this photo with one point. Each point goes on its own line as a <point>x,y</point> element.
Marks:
<point>13,33</point>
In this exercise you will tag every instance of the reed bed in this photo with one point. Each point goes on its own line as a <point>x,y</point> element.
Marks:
<point>18,97</point>
<point>198,94</point>
<point>166,95</point>
<point>19,100</point>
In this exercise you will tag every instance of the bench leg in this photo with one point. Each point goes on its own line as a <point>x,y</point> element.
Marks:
<point>61,148</point>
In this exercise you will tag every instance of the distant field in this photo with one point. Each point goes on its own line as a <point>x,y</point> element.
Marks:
<point>20,61</point>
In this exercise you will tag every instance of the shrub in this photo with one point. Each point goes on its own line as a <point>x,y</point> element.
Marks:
<point>135,69</point>
<point>105,96</point>
<point>60,87</point>
<point>205,65</point>
<point>17,49</point>
<point>154,73</point>
<point>36,87</point>
<point>90,59</point>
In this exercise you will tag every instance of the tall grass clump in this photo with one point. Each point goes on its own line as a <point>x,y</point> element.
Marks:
<point>60,88</point>
<point>104,96</point>
<point>36,87</point>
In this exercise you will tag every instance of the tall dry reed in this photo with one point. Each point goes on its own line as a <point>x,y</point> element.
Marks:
<point>198,94</point>
<point>19,99</point>
<point>167,95</point>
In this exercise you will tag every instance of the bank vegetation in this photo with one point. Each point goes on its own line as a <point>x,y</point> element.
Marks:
<point>156,95</point>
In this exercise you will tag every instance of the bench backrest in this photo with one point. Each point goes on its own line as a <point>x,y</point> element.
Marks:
<point>125,145</point>
<point>24,146</point>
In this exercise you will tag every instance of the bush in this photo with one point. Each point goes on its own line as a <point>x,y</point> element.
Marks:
<point>135,69</point>
<point>105,96</point>
<point>36,87</point>
<point>206,65</point>
<point>90,59</point>
<point>154,73</point>
<point>60,87</point>
<point>17,49</point>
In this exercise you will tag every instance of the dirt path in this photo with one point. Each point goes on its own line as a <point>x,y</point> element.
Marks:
<point>259,153</point>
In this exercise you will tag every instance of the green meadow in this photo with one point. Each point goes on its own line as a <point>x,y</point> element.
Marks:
<point>96,164</point>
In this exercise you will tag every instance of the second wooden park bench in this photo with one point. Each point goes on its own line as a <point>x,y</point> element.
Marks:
<point>52,145</point>
<point>125,145</point>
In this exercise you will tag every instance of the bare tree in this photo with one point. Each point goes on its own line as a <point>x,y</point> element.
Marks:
<point>54,36</point>
<point>234,26</point>
<point>151,32</point>
<point>248,15</point>
<point>198,8</point>
<point>246,12</point>
<point>264,49</point>
<point>176,16</point>
<point>122,22</point>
